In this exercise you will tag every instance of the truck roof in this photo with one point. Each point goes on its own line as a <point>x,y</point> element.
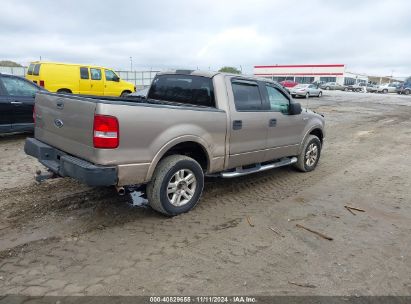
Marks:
<point>211,74</point>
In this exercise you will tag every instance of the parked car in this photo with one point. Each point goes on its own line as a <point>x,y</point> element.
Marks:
<point>387,88</point>
<point>306,90</point>
<point>16,104</point>
<point>78,79</point>
<point>333,86</point>
<point>361,87</point>
<point>191,124</point>
<point>404,88</point>
<point>372,88</point>
<point>288,83</point>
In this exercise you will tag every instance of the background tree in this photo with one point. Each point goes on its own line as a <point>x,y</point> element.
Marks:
<point>228,69</point>
<point>8,63</point>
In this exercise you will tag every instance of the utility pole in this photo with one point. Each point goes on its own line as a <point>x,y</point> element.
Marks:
<point>131,63</point>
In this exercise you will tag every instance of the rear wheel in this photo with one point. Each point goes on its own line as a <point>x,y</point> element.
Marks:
<point>307,95</point>
<point>407,92</point>
<point>309,155</point>
<point>327,88</point>
<point>385,91</point>
<point>320,94</point>
<point>176,185</point>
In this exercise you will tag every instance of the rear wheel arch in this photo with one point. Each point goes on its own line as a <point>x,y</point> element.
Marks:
<point>190,147</point>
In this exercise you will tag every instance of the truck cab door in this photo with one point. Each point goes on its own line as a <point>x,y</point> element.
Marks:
<point>96,82</point>
<point>84,82</point>
<point>285,131</point>
<point>248,124</point>
<point>21,94</point>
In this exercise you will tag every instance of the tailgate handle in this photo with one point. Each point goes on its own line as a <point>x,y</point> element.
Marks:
<point>16,102</point>
<point>237,124</point>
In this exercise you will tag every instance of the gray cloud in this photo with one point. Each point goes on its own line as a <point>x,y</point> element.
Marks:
<point>368,36</point>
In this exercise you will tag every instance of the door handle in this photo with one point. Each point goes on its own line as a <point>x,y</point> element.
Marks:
<point>237,124</point>
<point>272,122</point>
<point>16,102</point>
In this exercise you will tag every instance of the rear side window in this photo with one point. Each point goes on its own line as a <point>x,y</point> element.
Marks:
<point>30,70</point>
<point>247,96</point>
<point>36,69</point>
<point>95,74</point>
<point>187,89</point>
<point>84,73</point>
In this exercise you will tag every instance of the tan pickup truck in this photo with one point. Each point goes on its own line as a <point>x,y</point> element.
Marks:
<point>191,124</point>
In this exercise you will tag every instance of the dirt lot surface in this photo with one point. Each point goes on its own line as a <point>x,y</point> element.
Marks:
<point>62,238</point>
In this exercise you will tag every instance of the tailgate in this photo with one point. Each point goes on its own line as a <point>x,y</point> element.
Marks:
<point>66,122</point>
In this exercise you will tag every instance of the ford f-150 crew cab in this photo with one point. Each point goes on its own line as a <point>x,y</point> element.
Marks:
<point>191,124</point>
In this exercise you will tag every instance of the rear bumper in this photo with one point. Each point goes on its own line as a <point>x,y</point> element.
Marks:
<point>66,165</point>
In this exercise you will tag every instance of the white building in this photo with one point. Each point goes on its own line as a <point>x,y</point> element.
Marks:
<point>308,73</point>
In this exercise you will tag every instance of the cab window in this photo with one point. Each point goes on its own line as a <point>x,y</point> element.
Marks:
<point>278,102</point>
<point>95,74</point>
<point>185,89</point>
<point>36,69</point>
<point>110,75</point>
<point>19,87</point>
<point>84,73</point>
<point>246,96</point>
<point>30,70</point>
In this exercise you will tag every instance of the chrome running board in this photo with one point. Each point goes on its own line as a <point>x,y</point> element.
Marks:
<point>258,168</point>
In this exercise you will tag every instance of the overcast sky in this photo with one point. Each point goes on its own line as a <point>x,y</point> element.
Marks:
<point>373,37</point>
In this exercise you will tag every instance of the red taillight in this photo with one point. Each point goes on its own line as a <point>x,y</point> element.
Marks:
<point>42,83</point>
<point>34,113</point>
<point>106,133</point>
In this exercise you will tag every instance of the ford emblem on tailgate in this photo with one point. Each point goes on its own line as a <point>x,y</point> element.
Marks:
<point>58,123</point>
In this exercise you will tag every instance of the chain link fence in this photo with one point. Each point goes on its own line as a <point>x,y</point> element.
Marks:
<point>140,79</point>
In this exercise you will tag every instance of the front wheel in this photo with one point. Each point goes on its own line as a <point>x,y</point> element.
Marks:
<point>307,95</point>
<point>320,94</point>
<point>385,91</point>
<point>309,155</point>
<point>125,93</point>
<point>407,92</point>
<point>176,185</point>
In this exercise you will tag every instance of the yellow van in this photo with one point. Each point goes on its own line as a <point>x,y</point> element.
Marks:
<point>78,79</point>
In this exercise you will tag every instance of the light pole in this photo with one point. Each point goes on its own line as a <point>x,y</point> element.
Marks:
<point>131,63</point>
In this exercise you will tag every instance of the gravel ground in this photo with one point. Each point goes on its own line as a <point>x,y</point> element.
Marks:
<point>62,238</point>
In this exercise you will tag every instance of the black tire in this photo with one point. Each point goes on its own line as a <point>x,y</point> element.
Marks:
<point>307,95</point>
<point>301,163</point>
<point>385,91</point>
<point>125,93</point>
<point>407,92</point>
<point>327,88</point>
<point>64,91</point>
<point>320,94</point>
<point>163,174</point>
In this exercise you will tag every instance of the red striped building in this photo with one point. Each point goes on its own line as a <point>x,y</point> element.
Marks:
<point>308,73</point>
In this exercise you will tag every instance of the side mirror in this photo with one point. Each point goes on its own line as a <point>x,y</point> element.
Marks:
<point>295,108</point>
<point>116,78</point>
